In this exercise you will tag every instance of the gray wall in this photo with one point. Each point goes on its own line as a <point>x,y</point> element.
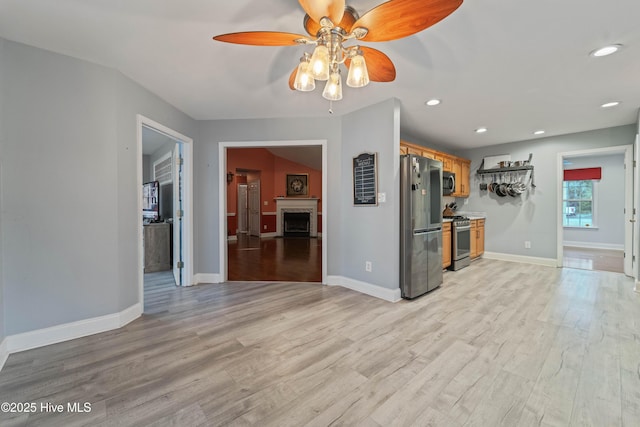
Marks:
<point>59,199</point>
<point>206,209</point>
<point>355,234</point>
<point>2,142</point>
<point>533,216</point>
<point>609,202</point>
<point>372,233</point>
<point>133,99</point>
<point>69,222</point>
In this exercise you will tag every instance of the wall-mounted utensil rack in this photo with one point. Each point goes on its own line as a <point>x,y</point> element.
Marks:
<point>505,174</point>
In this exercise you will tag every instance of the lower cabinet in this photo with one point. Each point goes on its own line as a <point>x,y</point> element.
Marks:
<point>446,244</point>
<point>477,238</point>
<point>157,247</point>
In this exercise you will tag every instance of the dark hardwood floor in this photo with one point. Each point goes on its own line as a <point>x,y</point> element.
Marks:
<point>284,259</point>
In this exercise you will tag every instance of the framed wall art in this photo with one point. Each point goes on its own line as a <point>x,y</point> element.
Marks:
<point>297,185</point>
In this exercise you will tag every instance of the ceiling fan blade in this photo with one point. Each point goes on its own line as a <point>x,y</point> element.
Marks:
<point>261,38</point>
<point>313,27</point>
<point>396,19</point>
<point>379,66</point>
<point>317,9</point>
<point>292,78</point>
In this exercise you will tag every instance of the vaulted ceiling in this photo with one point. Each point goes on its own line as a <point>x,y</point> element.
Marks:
<point>511,66</point>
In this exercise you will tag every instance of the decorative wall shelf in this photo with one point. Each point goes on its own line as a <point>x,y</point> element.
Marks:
<point>509,169</point>
<point>506,174</point>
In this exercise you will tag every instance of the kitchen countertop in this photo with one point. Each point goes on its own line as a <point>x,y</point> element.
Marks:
<point>473,215</point>
<point>447,219</point>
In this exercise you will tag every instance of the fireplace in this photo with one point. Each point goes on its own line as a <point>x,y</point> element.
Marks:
<point>301,217</point>
<point>296,224</point>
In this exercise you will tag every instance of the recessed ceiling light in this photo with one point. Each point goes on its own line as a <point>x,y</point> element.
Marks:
<point>481,130</point>
<point>538,132</point>
<point>433,102</point>
<point>606,50</point>
<point>610,104</point>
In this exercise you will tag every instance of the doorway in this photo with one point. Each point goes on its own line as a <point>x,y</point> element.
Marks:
<point>594,215</point>
<point>165,159</point>
<point>267,204</point>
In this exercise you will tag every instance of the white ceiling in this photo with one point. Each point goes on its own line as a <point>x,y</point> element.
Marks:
<point>512,66</point>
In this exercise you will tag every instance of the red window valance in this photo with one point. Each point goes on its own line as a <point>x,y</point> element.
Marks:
<point>582,174</point>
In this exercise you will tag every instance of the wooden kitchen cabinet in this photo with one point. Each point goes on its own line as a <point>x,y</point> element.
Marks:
<point>461,167</point>
<point>480,238</point>
<point>465,172</point>
<point>447,163</point>
<point>474,239</point>
<point>446,244</point>
<point>477,238</point>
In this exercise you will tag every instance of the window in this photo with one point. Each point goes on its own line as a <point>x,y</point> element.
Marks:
<point>578,203</point>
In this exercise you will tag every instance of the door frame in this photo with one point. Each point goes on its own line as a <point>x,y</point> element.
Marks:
<point>222,194</point>
<point>187,238</point>
<point>627,151</point>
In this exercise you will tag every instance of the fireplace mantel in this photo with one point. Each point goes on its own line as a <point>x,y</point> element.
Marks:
<point>297,204</point>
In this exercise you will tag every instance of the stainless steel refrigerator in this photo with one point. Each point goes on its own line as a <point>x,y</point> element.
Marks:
<point>420,225</point>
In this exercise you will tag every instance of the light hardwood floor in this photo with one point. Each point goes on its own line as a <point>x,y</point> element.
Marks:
<point>593,259</point>
<point>498,344</point>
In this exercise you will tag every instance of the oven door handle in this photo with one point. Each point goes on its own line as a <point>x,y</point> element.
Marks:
<point>463,228</point>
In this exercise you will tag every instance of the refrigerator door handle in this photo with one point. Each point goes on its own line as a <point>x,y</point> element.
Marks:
<point>431,230</point>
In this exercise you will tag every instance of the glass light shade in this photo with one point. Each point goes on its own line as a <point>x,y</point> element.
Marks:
<point>358,75</point>
<point>304,82</point>
<point>319,65</point>
<point>333,89</point>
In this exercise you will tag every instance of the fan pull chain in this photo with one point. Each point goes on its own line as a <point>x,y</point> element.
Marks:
<point>330,107</point>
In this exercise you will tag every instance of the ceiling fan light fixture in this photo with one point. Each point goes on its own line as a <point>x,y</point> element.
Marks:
<point>304,80</point>
<point>331,25</point>
<point>358,75</point>
<point>319,65</point>
<point>333,89</point>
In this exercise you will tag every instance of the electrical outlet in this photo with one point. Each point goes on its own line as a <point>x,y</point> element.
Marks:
<point>527,244</point>
<point>367,266</point>
<point>266,203</point>
<point>265,227</point>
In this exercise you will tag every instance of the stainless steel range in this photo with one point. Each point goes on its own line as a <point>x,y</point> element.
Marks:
<point>461,245</point>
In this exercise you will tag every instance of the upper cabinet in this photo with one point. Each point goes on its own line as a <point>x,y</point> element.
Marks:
<point>461,167</point>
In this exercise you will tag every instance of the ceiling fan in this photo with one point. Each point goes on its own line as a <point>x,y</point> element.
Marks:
<point>331,23</point>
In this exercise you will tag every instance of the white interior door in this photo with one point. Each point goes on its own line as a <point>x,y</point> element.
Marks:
<point>254,207</point>
<point>242,208</point>
<point>178,215</point>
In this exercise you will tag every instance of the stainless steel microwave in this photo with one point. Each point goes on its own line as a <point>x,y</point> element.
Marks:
<point>448,183</point>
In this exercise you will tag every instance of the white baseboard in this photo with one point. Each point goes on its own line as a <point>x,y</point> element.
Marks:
<point>391,295</point>
<point>206,278</point>
<point>548,262</point>
<point>590,245</point>
<point>273,234</point>
<point>71,331</point>
<point>4,353</point>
